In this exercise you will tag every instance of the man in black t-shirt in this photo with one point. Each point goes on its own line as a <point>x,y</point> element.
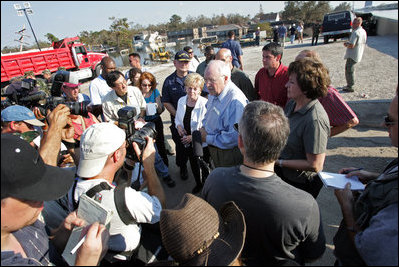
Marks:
<point>283,222</point>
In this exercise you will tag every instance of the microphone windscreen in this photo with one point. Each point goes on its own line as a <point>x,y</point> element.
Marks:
<point>197,144</point>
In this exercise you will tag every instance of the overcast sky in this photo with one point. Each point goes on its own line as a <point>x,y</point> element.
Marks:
<point>69,18</point>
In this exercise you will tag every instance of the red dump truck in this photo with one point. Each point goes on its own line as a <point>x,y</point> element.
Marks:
<point>68,53</point>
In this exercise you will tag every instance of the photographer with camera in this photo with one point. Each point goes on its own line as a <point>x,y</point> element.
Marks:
<point>102,153</point>
<point>122,96</point>
<point>23,92</point>
<point>21,121</point>
<point>80,123</point>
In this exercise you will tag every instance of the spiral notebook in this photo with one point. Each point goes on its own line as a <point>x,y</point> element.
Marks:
<point>338,181</point>
<point>91,211</point>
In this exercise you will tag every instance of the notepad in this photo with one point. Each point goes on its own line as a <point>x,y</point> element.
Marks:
<point>91,211</point>
<point>151,109</point>
<point>338,181</point>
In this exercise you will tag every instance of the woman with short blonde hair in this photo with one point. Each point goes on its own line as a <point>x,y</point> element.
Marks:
<point>190,113</point>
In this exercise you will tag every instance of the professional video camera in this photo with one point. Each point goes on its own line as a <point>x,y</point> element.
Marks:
<point>24,93</point>
<point>126,121</point>
<point>28,96</point>
<point>56,98</point>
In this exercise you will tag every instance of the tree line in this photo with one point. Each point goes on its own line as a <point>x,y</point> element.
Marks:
<point>121,31</point>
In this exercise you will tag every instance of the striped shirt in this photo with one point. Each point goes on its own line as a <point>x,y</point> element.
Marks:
<point>337,109</point>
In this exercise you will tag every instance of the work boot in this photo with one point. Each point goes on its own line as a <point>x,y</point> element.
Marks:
<point>348,89</point>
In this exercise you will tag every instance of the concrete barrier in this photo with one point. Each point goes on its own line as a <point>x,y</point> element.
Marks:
<point>370,112</point>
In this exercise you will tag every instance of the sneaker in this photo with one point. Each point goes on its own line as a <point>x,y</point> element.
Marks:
<point>169,181</point>
<point>197,189</point>
<point>183,173</point>
<point>348,89</point>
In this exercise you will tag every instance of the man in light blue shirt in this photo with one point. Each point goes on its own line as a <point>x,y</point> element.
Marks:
<point>225,107</point>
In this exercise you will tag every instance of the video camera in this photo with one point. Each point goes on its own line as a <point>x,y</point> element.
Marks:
<point>56,98</point>
<point>126,121</point>
<point>26,95</point>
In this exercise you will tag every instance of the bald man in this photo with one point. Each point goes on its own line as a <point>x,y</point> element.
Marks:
<point>238,77</point>
<point>98,87</point>
<point>354,52</point>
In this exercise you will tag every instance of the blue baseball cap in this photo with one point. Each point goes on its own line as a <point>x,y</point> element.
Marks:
<point>182,56</point>
<point>20,113</point>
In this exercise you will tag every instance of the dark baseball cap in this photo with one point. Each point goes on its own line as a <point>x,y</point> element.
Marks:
<point>182,56</point>
<point>24,175</point>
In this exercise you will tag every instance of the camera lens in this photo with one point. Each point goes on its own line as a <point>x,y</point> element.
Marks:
<point>78,108</point>
<point>147,130</point>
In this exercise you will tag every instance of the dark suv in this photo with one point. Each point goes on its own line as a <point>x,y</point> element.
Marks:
<point>337,25</point>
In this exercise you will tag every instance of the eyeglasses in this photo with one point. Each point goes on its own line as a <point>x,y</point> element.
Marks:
<point>122,83</point>
<point>388,121</point>
<point>145,85</point>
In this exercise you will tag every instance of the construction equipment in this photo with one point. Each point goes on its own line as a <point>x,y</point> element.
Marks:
<point>160,54</point>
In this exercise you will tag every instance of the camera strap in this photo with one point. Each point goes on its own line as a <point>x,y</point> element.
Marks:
<point>91,192</point>
<point>121,207</point>
<point>119,200</point>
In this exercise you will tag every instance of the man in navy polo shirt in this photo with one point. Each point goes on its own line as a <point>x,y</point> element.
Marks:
<point>172,90</point>
<point>235,48</point>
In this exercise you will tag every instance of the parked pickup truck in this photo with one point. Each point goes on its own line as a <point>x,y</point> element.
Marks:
<point>337,25</point>
<point>68,53</point>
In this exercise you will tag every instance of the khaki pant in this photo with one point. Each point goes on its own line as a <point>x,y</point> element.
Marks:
<point>350,72</point>
<point>225,157</point>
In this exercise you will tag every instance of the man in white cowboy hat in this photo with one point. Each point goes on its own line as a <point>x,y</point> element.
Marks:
<point>195,234</point>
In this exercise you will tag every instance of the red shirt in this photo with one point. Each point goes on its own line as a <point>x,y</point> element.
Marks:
<point>272,88</point>
<point>337,110</point>
<point>79,128</point>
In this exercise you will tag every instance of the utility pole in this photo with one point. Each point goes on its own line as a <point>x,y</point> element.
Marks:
<point>21,39</point>
<point>27,11</point>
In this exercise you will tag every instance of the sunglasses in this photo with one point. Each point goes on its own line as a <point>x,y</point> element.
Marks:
<point>388,121</point>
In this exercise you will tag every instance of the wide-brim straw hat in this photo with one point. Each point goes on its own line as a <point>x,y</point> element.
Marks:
<point>195,234</point>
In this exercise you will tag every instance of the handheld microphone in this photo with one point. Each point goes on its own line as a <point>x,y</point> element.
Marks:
<point>198,152</point>
<point>197,144</point>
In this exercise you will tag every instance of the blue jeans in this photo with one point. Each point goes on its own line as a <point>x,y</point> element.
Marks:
<point>292,38</point>
<point>160,166</point>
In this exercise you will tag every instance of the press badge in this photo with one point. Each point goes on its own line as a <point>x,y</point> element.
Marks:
<point>216,111</point>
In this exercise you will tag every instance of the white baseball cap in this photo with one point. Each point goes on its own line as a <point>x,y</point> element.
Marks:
<point>96,144</point>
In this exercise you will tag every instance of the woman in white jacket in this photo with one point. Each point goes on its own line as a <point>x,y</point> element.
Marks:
<point>189,115</point>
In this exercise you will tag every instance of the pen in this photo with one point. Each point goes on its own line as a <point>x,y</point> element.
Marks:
<point>78,245</point>
<point>348,171</point>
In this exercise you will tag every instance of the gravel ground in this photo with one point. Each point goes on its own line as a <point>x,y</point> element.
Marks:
<point>376,78</point>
